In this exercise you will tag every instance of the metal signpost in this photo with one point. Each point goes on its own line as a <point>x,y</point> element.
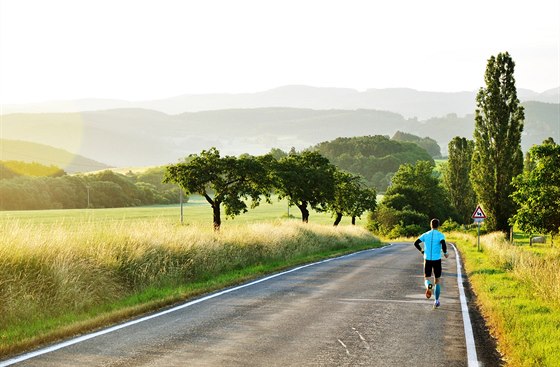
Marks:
<point>478,216</point>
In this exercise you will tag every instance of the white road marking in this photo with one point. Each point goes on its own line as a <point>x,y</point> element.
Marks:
<point>362,338</point>
<point>344,345</point>
<point>83,338</point>
<point>469,338</point>
<point>420,301</point>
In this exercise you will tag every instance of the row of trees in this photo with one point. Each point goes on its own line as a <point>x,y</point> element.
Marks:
<point>490,170</point>
<point>307,180</point>
<point>487,170</point>
<point>106,189</point>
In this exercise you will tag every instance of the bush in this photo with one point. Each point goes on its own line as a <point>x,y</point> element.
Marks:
<point>449,225</point>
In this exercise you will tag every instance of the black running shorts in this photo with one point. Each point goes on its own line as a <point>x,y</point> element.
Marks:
<point>432,264</point>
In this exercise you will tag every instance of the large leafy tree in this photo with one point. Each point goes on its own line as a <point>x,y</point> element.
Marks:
<point>223,180</point>
<point>305,179</point>
<point>415,195</point>
<point>497,156</point>
<point>351,197</point>
<point>537,191</point>
<point>456,177</point>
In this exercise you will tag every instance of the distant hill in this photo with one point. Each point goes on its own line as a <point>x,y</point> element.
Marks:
<point>15,150</point>
<point>406,102</point>
<point>375,158</point>
<point>137,137</point>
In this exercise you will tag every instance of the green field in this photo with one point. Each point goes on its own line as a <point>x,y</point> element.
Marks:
<point>195,212</point>
<point>518,291</point>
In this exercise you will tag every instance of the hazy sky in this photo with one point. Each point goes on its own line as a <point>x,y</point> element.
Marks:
<point>137,50</point>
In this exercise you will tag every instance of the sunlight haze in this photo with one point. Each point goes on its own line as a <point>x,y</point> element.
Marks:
<point>145,50</point>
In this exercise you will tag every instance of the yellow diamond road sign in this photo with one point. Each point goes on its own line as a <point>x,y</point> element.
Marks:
<point>478,213</point>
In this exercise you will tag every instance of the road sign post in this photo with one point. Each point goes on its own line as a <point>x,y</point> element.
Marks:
<point>478,216</point>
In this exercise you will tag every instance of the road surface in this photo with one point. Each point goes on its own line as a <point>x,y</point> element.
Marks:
<point>367,309</point>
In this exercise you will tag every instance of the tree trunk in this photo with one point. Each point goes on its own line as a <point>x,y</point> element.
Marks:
<point>304,212</point>
<point>353,220</point>
<point>338,219</point>
<point>217,218</point>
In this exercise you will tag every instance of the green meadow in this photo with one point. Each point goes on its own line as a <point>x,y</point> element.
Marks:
<point>518,292</point>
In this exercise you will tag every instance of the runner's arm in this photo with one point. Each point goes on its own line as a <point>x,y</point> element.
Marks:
<point>444,247</point>
<point>417,245</point>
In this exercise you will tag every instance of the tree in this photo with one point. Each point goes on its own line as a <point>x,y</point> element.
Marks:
<point>222,180</point>
<point>537,191</point>
<point>497,156</point>
<point>305,179</point>
<point>456,177</point>
<point>415,195</point>
<point>351,197</point>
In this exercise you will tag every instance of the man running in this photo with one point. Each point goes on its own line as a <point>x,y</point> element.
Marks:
<point>434,243</point>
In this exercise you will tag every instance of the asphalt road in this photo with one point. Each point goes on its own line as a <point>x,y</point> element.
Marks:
<point>367,309</point>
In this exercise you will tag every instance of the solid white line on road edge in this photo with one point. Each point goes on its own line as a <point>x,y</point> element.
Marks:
<point>469,338</point>
<point>83,338</point>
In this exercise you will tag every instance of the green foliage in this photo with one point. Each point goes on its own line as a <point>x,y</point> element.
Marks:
<point>449,225</point>
<point>106,190</point>
<point>231,180</point>
<point>456,178</point>
<point>537,191</point>
<point>519,292</point>
<point>351,197</point>
<point>376,158</point>
<point>304,179</point>
<point>11,169</point>
<point>429,144</point>
<point>497,154</point>
<point>414,197</point>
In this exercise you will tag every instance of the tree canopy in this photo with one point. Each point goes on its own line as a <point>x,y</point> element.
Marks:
<point>537,191</point>
<point>351,197</point>
<point>376,158</point>
<point>222,180</point>
<point>430,145</point>
<point>305,179</point>
<point>456,178</point>
<point>415,196</point>
<point>497,156</point>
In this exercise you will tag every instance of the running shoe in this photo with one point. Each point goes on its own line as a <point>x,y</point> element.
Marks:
<point>436,303</point>
<point>429,291</point>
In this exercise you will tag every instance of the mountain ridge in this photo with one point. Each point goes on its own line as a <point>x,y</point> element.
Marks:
<point>408,102</point>
<point>139,137</point>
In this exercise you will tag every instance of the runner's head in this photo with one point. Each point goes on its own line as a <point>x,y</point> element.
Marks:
<point>434,223</point>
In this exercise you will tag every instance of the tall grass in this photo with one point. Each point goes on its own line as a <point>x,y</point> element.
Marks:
<point>50,270</point>
<point>540,270</point>
<point>518,292</point>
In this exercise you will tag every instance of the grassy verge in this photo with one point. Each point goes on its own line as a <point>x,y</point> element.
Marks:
<point>518,291</point>
<point>61,280</point>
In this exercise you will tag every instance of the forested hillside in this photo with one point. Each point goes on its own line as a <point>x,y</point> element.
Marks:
<point>25,151</point>
<point>105,189</point>
<point>376,158</point>
<point>135,137</point>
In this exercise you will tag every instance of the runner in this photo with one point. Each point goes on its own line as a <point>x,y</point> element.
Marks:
<point>434,243</point>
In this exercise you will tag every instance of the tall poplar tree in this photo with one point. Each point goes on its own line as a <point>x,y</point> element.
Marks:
<point>497,156</point>
<point>456,177</point>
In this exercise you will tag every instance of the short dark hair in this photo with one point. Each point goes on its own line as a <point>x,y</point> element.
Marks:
<point>434,223</point>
